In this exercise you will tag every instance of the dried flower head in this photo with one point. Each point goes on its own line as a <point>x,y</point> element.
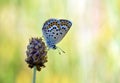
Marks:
<point>36,53</point>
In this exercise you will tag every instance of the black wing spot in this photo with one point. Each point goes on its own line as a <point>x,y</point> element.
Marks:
<point>51,29</point>
<point>63,28</point>
<point>56,33</point>
<point>54,37</point>
<point>53,32</point>
<point>57,29</point>
<point>61,33</point>
<point>54,27</point>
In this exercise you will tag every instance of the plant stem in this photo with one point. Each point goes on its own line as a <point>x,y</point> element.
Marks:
<point>34,75</point>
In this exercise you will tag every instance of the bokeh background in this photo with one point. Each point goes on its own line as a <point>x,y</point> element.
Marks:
<point>92,45</point>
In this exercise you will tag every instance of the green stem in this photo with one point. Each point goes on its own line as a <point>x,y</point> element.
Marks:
<point>34,75</point>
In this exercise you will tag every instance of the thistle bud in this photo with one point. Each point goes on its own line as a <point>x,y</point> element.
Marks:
<point>36,53</point>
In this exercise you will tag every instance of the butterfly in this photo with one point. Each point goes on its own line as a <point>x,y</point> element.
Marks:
<point>54,31</point>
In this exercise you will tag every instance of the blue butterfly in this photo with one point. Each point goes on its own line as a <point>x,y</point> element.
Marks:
<point>54,30</point>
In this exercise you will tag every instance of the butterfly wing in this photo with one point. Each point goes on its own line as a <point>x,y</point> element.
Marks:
<point>64,28</point>
<point>50,28</point>
<point>54,30</point>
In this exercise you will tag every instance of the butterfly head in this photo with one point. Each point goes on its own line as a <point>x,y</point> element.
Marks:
<point>51,45</point>
<point>54,47</point>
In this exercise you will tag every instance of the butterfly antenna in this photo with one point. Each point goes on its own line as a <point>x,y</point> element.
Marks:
<point>60,50</point>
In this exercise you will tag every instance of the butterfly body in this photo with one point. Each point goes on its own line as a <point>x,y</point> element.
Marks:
<point>54,31</point>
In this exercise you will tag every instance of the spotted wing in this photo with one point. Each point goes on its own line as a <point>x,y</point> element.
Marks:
<point>64,28</point>
<point>50,29</point>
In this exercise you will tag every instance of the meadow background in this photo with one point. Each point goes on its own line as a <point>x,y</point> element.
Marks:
<point>92,45</point>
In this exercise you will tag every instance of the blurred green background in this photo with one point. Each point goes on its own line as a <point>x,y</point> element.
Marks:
<point>92,45</point>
